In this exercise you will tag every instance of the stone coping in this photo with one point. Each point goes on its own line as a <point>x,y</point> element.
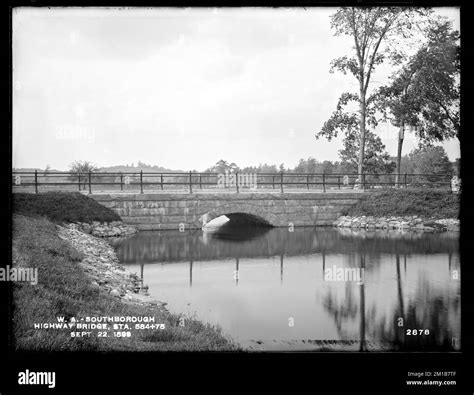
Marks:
<point>226,196</point>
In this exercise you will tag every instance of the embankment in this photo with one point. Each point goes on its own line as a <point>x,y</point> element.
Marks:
<point>80,277</point>
<point>414,210</point>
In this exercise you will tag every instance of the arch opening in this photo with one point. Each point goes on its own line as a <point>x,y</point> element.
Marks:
<point>237,220</point>
<point>241,214</point>
<point>246,219</point>
<point>237,227</point>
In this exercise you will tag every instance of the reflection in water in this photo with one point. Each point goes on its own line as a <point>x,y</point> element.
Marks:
<point>231,278</point>
<point>236,271</point>
<point>191,273</point>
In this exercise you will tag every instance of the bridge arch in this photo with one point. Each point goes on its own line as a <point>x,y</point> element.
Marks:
<point>257,213</point>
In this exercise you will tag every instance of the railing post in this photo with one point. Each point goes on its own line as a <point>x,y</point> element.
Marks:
<point>190,182</point>
<point>200,181</point>
<point>90,186</point>
<point>36,181</point>
<point>161,179</point>
<point>339,182</point>
<point>141,181</point>
<point>273,181</point>
<point>79,181</point>
<point>324,182</point>
<point>281,181</point>
<point>307,182</point>
<point>237,180</point>
<point>405,180</point>
<point>121,181</point>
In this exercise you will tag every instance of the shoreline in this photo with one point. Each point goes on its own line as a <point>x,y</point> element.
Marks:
<point>103,268</point>
<point>108,277</point>
<point>81,278</point>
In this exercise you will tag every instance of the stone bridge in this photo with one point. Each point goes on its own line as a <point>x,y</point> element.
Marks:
<point>171,211</point>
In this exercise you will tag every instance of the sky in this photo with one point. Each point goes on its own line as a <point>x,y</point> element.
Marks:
<point>180,88</point>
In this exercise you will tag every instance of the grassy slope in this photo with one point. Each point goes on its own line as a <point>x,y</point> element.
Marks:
<point>424,203</point>
<point>63,288</point>
<point>62,207</point>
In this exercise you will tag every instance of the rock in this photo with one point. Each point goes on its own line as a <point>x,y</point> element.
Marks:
<point>404,223</point>
<point>115,292</point>
<point>435,226</point>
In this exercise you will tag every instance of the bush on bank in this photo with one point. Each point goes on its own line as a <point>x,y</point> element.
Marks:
<point>62,207</point>
<point>400,202</point>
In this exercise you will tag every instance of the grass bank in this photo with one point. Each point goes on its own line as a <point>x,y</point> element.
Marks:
<point>398,202</point>
<point>62,207</point>
<point>64,290</point>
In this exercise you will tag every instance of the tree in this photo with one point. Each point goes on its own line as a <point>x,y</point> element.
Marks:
<point>347,122</point>
<point>370,28</point>
<point>79,171</point>
<point>47,170</point>
<point>222,166</point>
<point>377,160</point>
<point>457,167</point>
<point>430,159</point>
<point>424,94</point>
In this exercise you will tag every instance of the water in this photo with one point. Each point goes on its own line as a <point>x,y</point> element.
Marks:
<point>268,289</point>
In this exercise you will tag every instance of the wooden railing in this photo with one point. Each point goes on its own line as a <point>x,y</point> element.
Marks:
<point>236,182</point>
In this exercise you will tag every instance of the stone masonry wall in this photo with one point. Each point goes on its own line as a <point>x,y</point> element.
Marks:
<point>168,211</point>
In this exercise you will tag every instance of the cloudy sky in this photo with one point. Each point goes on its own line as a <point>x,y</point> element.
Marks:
<point>179,88</point>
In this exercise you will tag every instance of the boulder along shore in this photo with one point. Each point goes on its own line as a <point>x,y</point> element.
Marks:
<point>410,222</point>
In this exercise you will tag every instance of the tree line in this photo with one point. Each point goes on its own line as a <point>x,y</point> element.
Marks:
<point>427,159</point>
